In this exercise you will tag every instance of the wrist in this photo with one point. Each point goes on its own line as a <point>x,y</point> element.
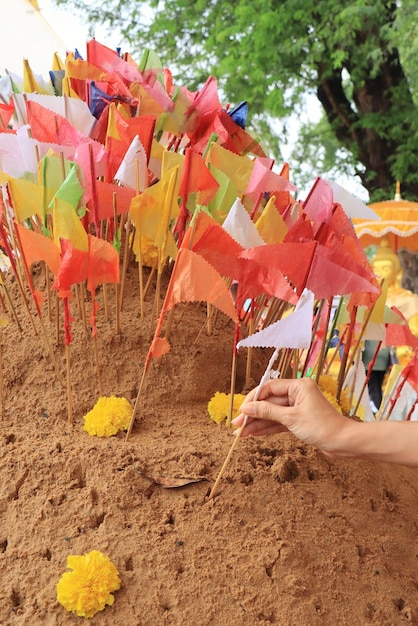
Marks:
<point>348,442</point>
<point>388,441</point>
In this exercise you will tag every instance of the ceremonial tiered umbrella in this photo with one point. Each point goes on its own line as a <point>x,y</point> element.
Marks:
<point>398,223</point>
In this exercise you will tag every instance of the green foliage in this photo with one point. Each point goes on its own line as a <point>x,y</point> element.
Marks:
<point>359,57</point>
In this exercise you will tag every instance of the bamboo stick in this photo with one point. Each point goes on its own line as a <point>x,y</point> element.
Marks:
<point>232,388</point>
<point>125,261</point>
<point>98,370</point>
<point>69,393</point>
<point>136,405</point>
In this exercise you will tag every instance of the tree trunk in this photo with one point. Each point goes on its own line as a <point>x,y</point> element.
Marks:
<point>372,114</point>
<point>374,148</point>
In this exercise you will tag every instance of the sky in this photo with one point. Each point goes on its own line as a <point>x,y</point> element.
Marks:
<point>65,23</point>
<point>26,34</point>
<point>36,36</point>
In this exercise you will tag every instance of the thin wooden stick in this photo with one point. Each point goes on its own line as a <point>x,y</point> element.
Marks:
<point>9,300</point>
<point>96,353</point>
<point>151,274</point>
<point>273,308</point>
<point>77,295</point>
<point>319,363</point>
<point>347,346</point>
<point>125,262</point>
<point>362,331</point>
<point>83,304</point>
<point>48,292</point>
<point>232,389</point>
<point>383,413</point>
<point>141,284</point>
<point>25,300</point>
<point>249,354</point>
<point>337,348</point>
<point>411,410</point>
<point>367,377</point>
<point>260,302</point>
<point>296,358</point>
<point>117,291</point>
<point>140,275</point>
<point>282,360</point>
<point>135,409</point>
<point>69,394</point>
<point>208,318</point>
<point>106,301</point>
<point>157,297</point>
<point>57,319</point>
<point>237,435</point>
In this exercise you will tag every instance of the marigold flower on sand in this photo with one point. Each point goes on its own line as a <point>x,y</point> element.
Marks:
<point>218,406</point>
<point>108,416</point>
<point>329,386</point>
<point>87,588</point>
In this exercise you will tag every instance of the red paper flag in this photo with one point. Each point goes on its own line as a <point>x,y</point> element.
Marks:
<point>327,279</point>
<point>400,334</point>
<point>253,269</point>
<point>410,372</point>
<point>242,141</point>
<point>48,126</point>
<point>197,177</point>
<point>103,264</point>
<point>110,196</point>
<point>263,179</point>
<point>318,204</point>
<point>6,112</point>
<point>120,133</point>
<point>102,56</point>
<point>293,260</point>
<point>73,268</point>
<point>300,230</point>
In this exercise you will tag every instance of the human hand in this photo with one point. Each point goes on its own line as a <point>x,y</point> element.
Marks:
<point>294,405</point>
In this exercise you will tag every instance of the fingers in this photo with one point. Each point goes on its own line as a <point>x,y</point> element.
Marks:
<point>280,405</point>
<point>256,427</point>
<point>271,409</point>
<point>278,390</point>
<point>261,427</point>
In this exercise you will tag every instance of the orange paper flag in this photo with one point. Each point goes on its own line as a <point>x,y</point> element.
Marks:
<point>193,280</point>
<point>37,247</point>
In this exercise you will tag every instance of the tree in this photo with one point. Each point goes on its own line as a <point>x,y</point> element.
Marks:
<point>357,57</point>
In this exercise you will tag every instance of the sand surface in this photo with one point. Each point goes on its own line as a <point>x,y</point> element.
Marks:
<point>289,539</point>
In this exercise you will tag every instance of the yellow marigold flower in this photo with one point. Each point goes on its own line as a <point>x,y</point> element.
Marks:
<point>149,251</point>
<point>218,406</point>
<point>329,387</point>
<point>108,416</point>
<point>87,588</point>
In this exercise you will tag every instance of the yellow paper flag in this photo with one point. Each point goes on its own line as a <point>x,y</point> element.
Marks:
<point>270,224</point>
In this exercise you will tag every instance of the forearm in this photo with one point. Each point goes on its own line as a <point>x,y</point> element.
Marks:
<point>389,441</point>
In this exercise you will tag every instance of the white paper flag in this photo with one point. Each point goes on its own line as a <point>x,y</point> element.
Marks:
<point>294,331</point>
<point>239,225</point>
